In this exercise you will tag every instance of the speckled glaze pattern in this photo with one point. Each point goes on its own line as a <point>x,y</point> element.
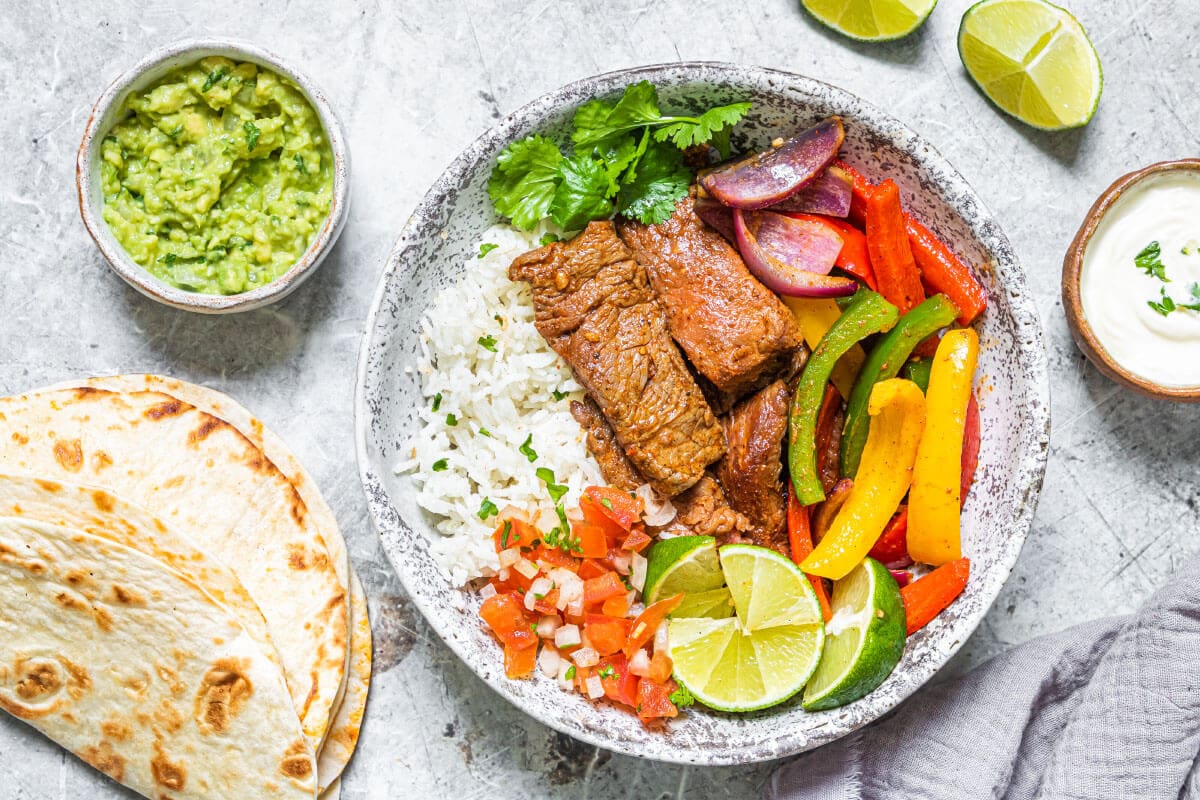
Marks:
<point>91,199</point>
<point>1012,385</point>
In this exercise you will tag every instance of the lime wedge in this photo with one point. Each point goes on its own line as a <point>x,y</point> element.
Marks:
<point>766,653</point>
<point>714,604</point>
<point>871,20</point>
<point>1033,60</point>
<point>866,638</point>
<point>686,564</point>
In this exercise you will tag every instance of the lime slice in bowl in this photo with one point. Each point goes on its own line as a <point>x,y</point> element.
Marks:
<point>766,653</point>
<point>687,564</point>
<point>871,20</point>
<point>865,638</point>
<point>714,604</point>
<point>1033,60</point>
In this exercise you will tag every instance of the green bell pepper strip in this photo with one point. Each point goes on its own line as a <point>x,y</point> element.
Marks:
<point>884,362</point>
<point>867,314</point>
<point>918,372</point>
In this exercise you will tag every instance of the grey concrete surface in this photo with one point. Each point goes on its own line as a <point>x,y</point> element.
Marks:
<point>415,82</point>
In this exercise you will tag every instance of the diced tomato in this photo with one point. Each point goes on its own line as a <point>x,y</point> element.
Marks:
<point>597,590</point>
<point>660,667</point>
<point>548,604</point>
<point>654,700</point>
<point>607,634</point>
<point>648,621</point>
<point>581,676</point>
<point>616,606</point>
<point>519,662</point>
<point>620,685</point>
<point>593,541</point>
<point>619,506</point>
<point>637,540</point>
<point>591,569</point>
<point>555,556</point>
<point>513,532</point>
<point>505,615</point>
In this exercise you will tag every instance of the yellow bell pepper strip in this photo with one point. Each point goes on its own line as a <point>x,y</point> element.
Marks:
<point>816,316</point>
<point>867,313</point>
<point>934,536</point>
<point>897,408</point>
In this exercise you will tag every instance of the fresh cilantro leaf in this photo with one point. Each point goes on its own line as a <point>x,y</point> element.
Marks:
<point>548,238</point>
<point>555,490</point>
<point>1195,304</point>
<point>583,193</point>
<point>607,672</point>
<point>1164,306</point>
<point>486,248</point>
<point>1150,262</point>
<point>570,673</point>
<point>487,509</point>
<point>604,501</point>
<point>485,432</point>
<point>451,420</point>
<point>522,185</point>
<point>487,342</point>
<point>682,698</point>
<point>437,401</point>
<point>637,107</point>
<point>623,154</point>
<point>214,78</point>
<point>252,134</point>
<point>661,181</point>
<point>300,165</point>
<point>527,451</point>
<point>507,533</point>
<point>559,395</point>
<point>441,465</point>
<point>688,132</point>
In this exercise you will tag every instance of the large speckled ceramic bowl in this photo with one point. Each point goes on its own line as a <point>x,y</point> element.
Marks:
<point>1012,387</point>
<point>106,113</point>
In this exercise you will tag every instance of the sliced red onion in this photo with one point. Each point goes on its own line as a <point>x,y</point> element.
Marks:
<point>799,243</point>
<point>902,577</point>
<point>782,278</point>
<point>828,194</point>
<point>765,178</point>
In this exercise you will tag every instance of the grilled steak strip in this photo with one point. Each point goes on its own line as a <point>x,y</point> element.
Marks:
<point>734,330</point>
<point>593,305</point>
<point>751,470</point>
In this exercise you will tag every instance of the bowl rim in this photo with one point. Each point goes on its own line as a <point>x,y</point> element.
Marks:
<point>1072,296</point>
<point>137,276</point>
<point>384,515</point>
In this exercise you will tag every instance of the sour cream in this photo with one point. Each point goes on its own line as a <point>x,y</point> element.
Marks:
<point>1115,293</point>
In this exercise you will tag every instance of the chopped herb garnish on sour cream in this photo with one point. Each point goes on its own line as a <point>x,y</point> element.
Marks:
<point>1150,262</point>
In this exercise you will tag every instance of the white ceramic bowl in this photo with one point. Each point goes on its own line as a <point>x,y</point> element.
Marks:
<point>1013,390</point>
<point>91,200</point>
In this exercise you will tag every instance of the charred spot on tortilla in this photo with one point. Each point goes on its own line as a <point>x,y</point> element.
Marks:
<point>89,393</point>
<point>40,679</point>
<point>296,762</point>
<point>296,504</point>
<point>20,438</point>
<point>103,500</point>
<point>167,717</point>
<point>77,577</point>
<point>102,460</point>
<point>102,757</point>
<point>208,425</point>
<point>116,729</point>
<point>49,486</point>
<point>171,407</point>
<point>222,695</point>
<point>166,772</point>
<point>127,596</point>
<point>69,455</point>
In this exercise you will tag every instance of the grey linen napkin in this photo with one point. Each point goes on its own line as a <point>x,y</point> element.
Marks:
<point>1108,709</point>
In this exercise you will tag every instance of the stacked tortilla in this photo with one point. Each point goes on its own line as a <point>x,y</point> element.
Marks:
<point>176,602</point>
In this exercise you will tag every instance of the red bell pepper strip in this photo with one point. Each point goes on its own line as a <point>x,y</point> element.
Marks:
<point>855,258</point>
<point>943,272</point>
<point>891,548</point>
<point>924,599</point>
<point>891,255</point>
<point>648,621</point>
<point>859,192</point>
<point>971,442</point>
<point>801,544</point>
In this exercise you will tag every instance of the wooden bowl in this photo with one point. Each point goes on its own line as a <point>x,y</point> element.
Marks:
<point>1085,338</point>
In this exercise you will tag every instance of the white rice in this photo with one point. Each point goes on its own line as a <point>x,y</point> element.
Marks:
<point>508,393</point>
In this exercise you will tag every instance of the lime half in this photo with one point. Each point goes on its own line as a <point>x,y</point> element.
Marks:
<point>714,604</point>
<point>764,654</point>
<point>871,20</point>
<point>1032,59</point>
<point>686,564</point>
<point>866,638</point>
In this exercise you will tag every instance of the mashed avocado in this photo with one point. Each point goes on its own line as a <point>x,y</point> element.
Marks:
<point>218,177</point>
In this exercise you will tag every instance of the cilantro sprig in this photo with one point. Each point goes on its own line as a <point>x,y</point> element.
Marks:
<point>1149,261</point>
<point>626,157</point>
<point>1166,304</point>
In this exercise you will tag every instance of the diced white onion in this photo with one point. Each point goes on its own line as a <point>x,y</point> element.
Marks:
<point>637,572</point>
<point>640,663</point>
<point>658,510</point>
<point>541,587</point>
<point>566,636</point>
<point>574,514</point>
<point>487,591</point>
<point>585,657</point>
<point>529,601</point>
<point>526,568</point>
<point>635,610</point>
<point>621,562</point>
<point>595,689</point>
<point>503,574</point>
<point>575,607</point>
<point>509,557</point>
<point>565,683</point>
<point>547,626</point>
<point>660,638</point>
<point>549,661</point>
<point>512,512</point>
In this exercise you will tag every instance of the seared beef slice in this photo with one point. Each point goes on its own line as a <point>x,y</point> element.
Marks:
<point>593,304</point>
<point>752,468</point>
<point>734,330</point>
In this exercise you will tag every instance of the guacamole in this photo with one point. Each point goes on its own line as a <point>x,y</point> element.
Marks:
<point>218,177</point>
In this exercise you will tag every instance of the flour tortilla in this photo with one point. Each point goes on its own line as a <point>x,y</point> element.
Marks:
<point>98,512</point>
<point>343,733</point>
<point>140,673</point>
<point>202,477</point>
